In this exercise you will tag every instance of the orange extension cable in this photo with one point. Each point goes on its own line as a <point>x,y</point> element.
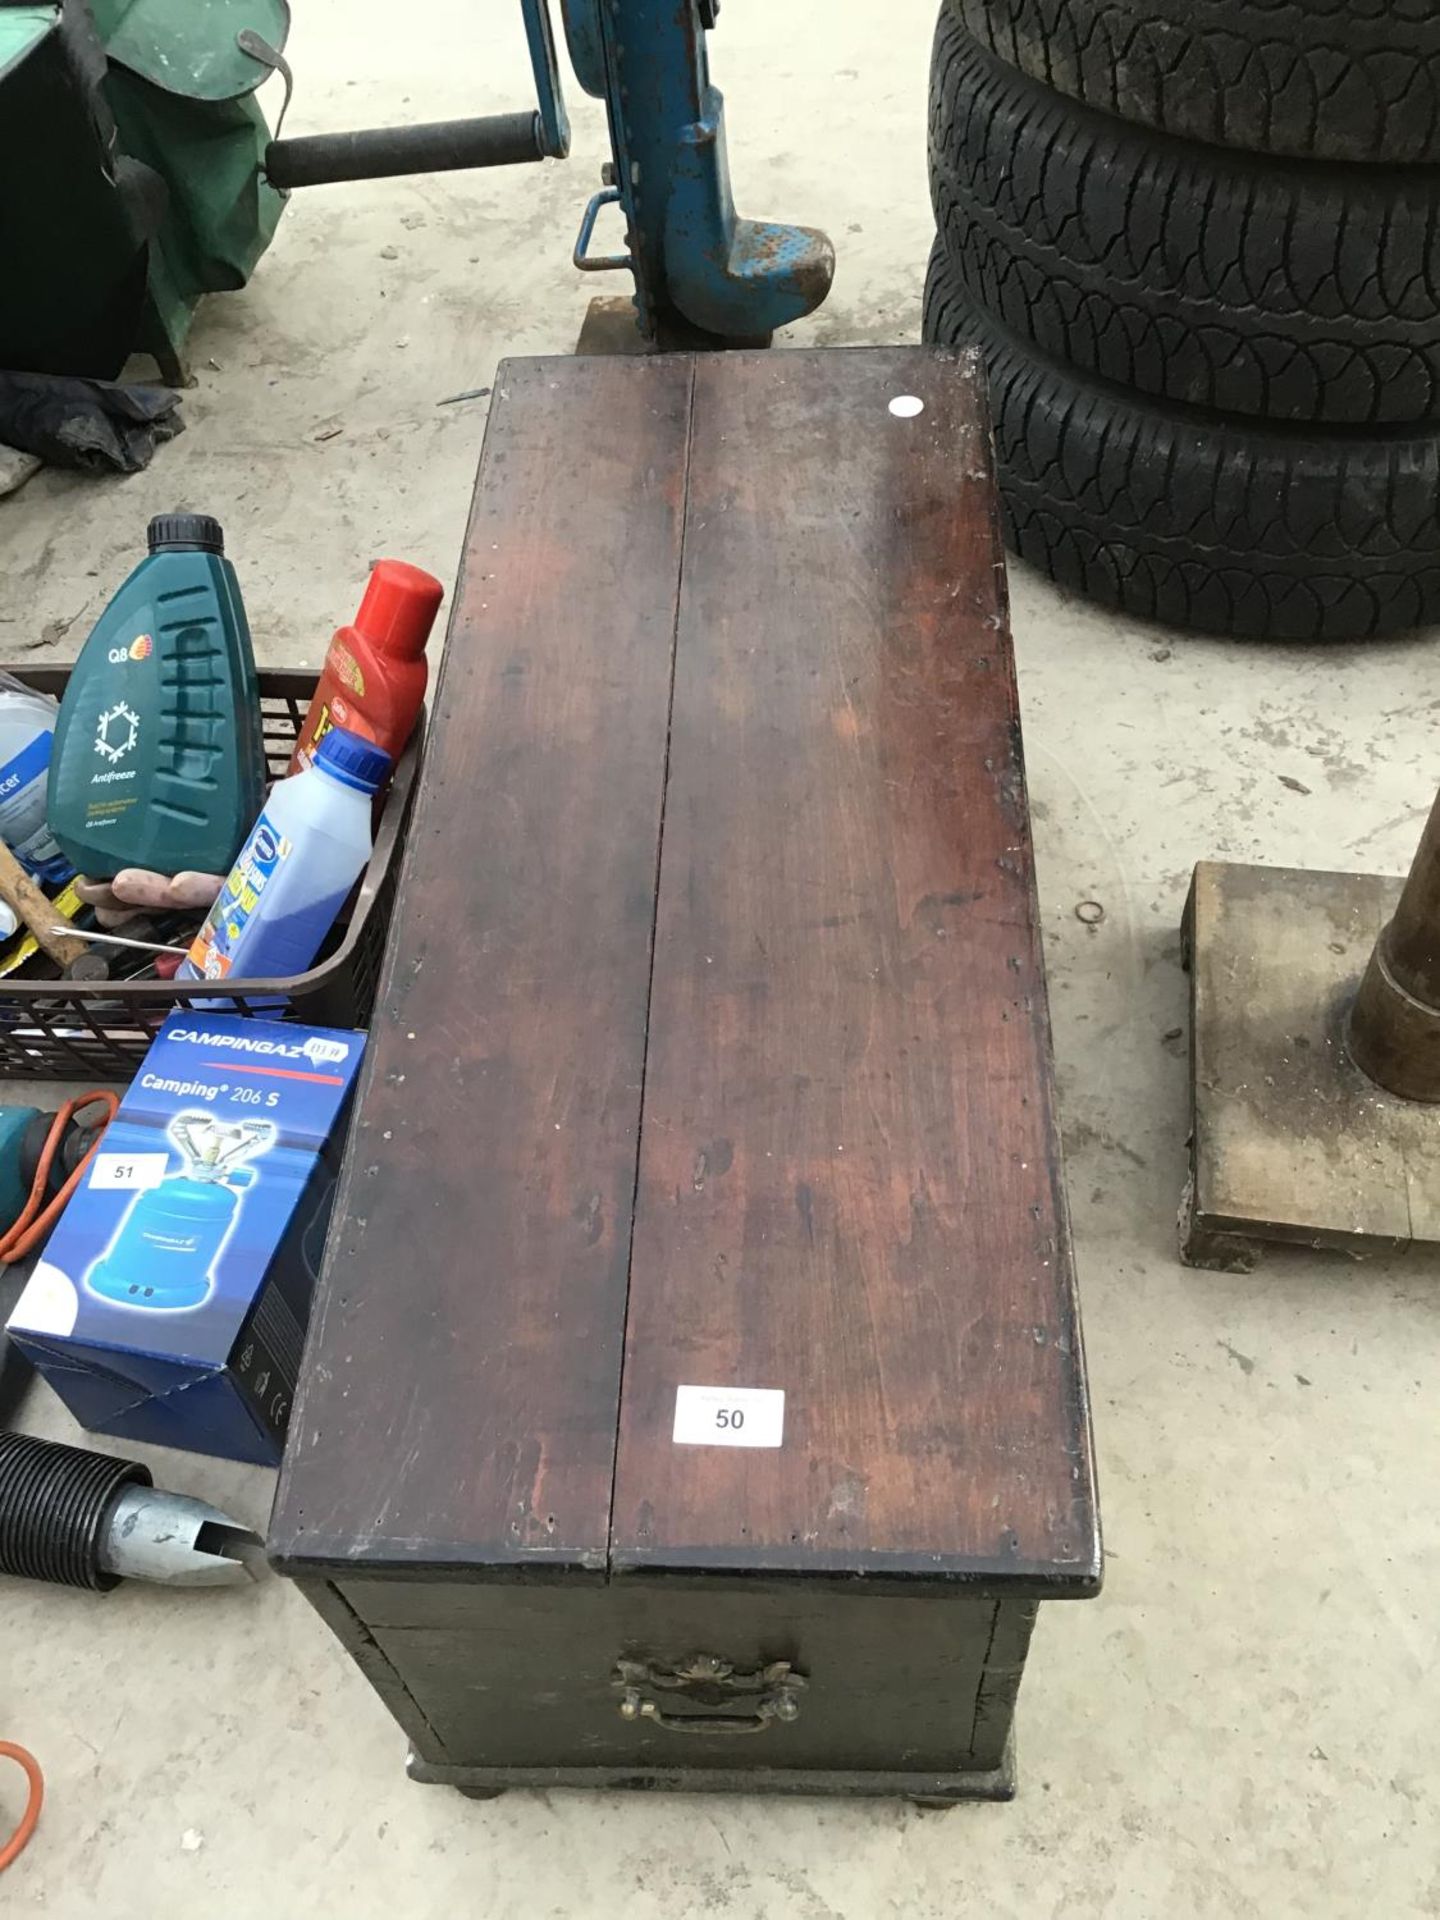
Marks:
<point>20,1839</point>
<point>36,1219</point>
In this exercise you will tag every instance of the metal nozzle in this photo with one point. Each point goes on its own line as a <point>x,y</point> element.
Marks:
<point>177,1541</point>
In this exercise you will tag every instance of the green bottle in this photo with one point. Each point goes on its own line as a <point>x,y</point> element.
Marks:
<point>159,759</point>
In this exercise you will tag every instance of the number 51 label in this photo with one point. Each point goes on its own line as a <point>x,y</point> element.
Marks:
<point>729,1417</point>
<point>120,1171</point>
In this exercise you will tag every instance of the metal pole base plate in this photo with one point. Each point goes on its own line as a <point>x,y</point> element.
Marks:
<point>1289,1140</point>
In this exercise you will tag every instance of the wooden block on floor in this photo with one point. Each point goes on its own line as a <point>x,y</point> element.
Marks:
<point>1290,1141</point>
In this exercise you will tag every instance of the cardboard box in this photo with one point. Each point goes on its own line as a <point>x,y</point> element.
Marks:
<point>171,1302</point>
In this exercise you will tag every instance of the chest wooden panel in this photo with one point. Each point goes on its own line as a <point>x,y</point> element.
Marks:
<point>712,1052</point>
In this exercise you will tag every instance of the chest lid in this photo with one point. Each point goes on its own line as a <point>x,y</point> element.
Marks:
<point>704,1206</point>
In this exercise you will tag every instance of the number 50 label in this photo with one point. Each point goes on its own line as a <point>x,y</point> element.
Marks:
<point>729,1417</point>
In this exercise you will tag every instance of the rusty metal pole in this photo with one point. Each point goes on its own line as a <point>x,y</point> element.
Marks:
<point>1395,1022</point>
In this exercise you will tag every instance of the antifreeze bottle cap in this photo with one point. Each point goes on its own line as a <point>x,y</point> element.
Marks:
<point>359,763</point>
<point>399,608</point>
<point>185,533</point>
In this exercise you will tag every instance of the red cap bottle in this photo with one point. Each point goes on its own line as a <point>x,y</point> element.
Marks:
<point>375,673</point>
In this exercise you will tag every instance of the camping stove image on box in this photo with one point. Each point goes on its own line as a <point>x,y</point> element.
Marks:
<point>164,1251</point>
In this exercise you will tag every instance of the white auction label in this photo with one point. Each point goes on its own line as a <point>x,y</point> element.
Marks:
<point>729,1417</point>
<point>122,1170</point>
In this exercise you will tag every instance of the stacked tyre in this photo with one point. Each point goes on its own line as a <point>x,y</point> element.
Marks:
<point>1198,242</point>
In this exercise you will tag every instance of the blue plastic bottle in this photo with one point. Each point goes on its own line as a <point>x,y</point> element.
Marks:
<point>291,878</point>
<point>158,759</point>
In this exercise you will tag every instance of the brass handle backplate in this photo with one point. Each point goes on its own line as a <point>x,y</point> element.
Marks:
<point>710,1682</point>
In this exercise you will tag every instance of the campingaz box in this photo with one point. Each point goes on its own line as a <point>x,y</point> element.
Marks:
<point>170,1304</point>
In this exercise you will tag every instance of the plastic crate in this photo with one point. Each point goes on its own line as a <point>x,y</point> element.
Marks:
<point>61,1030</point>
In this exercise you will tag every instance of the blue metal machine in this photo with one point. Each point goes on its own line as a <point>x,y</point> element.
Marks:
<point>703,276</point>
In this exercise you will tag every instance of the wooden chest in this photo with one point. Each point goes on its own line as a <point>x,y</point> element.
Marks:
<point>695,1394</point>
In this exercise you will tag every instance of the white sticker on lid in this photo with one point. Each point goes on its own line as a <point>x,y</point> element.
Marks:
<point>127,1170</point>
<point>729,1417</point>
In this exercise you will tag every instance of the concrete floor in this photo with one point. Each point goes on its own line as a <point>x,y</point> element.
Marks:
<point>1246,1722</point>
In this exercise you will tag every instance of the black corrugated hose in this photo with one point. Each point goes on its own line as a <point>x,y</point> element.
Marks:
<point>55,1505</point>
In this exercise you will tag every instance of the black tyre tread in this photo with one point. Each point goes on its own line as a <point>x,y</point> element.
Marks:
<point>1326,79</point>
<point>1222,526</point>
<point>1299,292</point>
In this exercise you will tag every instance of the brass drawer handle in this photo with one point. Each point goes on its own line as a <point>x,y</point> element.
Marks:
<point>712,1682</point>
<point>777,1706</point>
